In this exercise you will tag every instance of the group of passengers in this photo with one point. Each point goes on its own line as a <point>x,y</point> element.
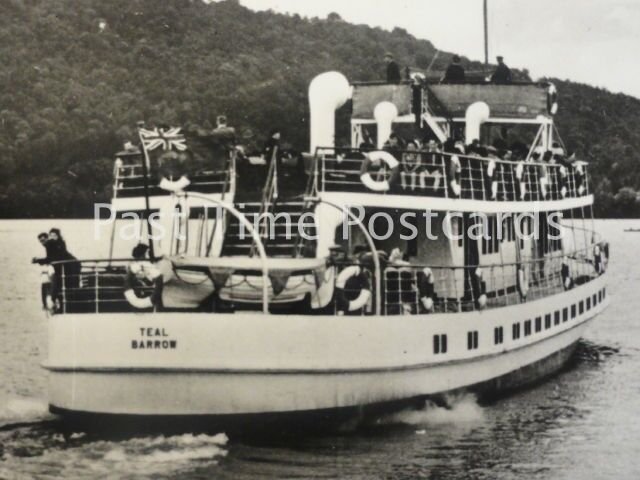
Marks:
<point>63,271</point>
<point>503,173</point>
<point>455,72</point>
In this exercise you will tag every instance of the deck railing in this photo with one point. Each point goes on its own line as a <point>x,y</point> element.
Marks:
<point>98,286</point>
<point>129,179</point>
<point>437,174</point>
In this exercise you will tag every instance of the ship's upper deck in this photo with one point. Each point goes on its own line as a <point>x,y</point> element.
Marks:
<point>435,180</point>
<point>519,102</point>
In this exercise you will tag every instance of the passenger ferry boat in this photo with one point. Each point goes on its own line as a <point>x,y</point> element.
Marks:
<point>232,317</point>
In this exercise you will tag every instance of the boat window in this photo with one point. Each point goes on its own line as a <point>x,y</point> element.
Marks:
<point>457,229</point>
<point>565,314</point>
<point>526,228</point>
<point>516,331</point>
<point>604,292</point>
<point>588,303</point>
<point>594,300</point>
<point>508,229</point>
<point>556,317</point>
<point>573,311</point>
<point>440,343</point>
<point>581,307</point>
<point>538,324</point>
<point>490,236</point>
<point>547,321</point>
<point>498,335</point>
<point>472,340</point>
<point>600,296</point>
<point>527,328</point>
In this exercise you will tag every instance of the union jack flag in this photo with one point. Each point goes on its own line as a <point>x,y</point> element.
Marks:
<point>167,138</point>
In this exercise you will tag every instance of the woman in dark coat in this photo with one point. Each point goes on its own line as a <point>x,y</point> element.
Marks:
<point>57,252</point>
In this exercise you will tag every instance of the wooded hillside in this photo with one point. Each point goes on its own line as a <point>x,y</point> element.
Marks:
<point>75,77</point>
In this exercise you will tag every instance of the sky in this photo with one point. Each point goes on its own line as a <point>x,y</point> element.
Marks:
<point>589,41</point>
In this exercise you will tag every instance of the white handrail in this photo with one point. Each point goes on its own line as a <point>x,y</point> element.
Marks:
<point>372,247</point>
<point>256,238</point>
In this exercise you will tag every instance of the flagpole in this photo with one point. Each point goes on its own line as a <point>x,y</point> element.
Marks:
<point>145,174</point>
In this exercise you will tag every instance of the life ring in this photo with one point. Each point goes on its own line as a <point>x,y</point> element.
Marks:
<point>519,176</point>
<point>522,281</point>
<point>491,173</point>
<point>426,289</point>
<point>365,175</point>
<point>455,169</point>
<point>565,273</point>
<point>479,288</point>
<point>552,99</point>
<point>563,181</point>
<point>143,302</point>
<point>543,181</point>
<point>174,185</point>
<point>365,292</point>
<point>579,178</point>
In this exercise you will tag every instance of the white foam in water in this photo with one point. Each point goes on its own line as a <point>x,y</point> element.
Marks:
<point>461,409</point>
<point>143,457</point>
<point>165,453</point>
<point>20,409</point>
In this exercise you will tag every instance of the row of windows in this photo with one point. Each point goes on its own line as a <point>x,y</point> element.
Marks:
<point>576,309</point>
<point>440,340</point>
<point>491,237</point>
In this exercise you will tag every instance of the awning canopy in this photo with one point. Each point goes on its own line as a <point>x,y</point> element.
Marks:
<point>249,263</point>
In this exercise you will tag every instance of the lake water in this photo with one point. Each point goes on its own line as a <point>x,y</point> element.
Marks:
<point>583,423</point>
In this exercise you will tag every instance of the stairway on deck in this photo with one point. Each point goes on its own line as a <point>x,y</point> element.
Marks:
<point>278,245</point>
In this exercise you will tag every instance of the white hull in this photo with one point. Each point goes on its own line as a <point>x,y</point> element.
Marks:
<point>234,364</point>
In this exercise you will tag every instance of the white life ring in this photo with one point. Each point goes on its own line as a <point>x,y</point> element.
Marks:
<point>135,269</point>
<point>365,294</point>
<point>523,282</point>
<point>552,99</point>
<point>174,185</point>
<point>482,298</point>
<point>427,290</point>
<point>455,169</point>
<point>544,182</point>
<point>491,168</point>
<point>141,303</point>
<point>365,175</point>
<point>519,176</point>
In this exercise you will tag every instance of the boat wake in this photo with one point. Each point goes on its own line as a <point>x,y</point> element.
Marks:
<point>589,352</point>
<point>456,409</point>
<point>84,455</point>
<point>18,411</point>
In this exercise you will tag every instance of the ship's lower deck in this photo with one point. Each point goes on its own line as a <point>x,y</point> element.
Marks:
<point>172,364</point>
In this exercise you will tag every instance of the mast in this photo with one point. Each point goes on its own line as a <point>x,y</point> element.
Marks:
<point>486,34</point>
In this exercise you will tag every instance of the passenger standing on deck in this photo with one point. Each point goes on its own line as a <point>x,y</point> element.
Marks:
<point>69,271</point>
<point>455,72</point>
<point>46,286</point>
<point>393,70</point>
<point>271,153</point>
<point>502,75</point>
<point>224,134</point>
